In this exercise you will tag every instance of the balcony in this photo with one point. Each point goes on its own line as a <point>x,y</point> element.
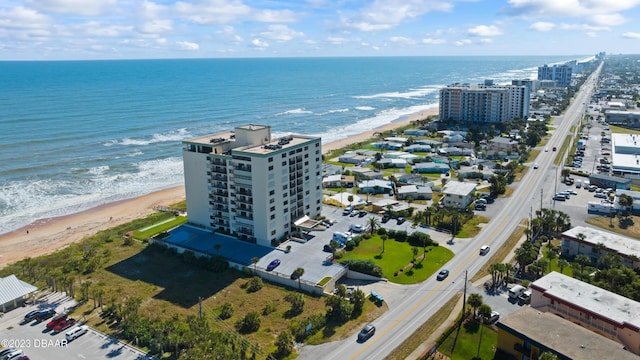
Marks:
<point>244,199</point>
<point>221,193</point>
<point>219,169</point>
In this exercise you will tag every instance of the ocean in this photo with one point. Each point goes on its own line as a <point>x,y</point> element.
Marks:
<point>78,134</point>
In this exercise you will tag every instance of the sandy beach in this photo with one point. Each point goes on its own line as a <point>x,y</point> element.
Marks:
<point>48,235</point>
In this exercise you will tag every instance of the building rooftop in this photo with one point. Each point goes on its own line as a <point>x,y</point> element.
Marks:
<point>564,337</point>
<point>590,298</point>
<point>216,138</point>
<point>625,151</point>
<point>621,244</point>
<point>458,188</point>
<point>277,144</point>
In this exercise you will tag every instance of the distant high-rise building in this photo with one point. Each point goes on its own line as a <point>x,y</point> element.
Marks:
<point>484,103</point>
<point>560,73</point>
<point>246,184</point>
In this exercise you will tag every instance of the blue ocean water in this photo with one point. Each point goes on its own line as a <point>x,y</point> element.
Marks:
<point>77,134</point>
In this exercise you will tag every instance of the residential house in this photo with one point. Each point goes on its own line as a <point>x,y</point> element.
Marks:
<point>336,181</point>
<point>352,157</point>
<point>376,187</point>
<point>600,311</point>
<point>393,163</point>
<point>418,148</point>
<point>430,168</point>
<point>500,143</point>
<point>458,194</point>
<point>416,192</point>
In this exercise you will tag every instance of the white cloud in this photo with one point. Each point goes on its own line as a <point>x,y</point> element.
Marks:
<point>387,14</point>
<point>76,7</point>
<point>23,18</point>
<point>402,40</point>
<point>463,42</point>
<point>542,26</point>
<point>608,19</point>
<point>275,16</point>
<point>486,40</point>
<point>206,12</point>
<point>158,26</point>
<point>260,44</point>
<point>94,28</point>
<point>337,40</point>
<point>582,27</point>
<point>186,45</point>
<point>484,30</point>
<point>431,41</point>
<point>631,35</point>
<point>228,34</point>
<point>280,33</point>
<point>562,8</point>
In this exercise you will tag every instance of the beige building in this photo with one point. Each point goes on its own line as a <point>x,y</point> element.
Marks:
<point>458,194</point>
<point>610,315</point>
<point>597,243</point>
<point>250,185</point>
<point>527,333</point>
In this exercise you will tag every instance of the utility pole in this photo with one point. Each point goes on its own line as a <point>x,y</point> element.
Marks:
<point>200,306</point>
<point>464,296</point>
<point>541,190</point>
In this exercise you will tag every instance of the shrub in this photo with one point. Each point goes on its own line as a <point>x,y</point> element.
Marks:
<point>255,284</point>
<point>250,323</point>
<point>269,308</point>
<point>381,231</point>
<point>350,245</point>
<point>226,311</point>
<point>364,266</point>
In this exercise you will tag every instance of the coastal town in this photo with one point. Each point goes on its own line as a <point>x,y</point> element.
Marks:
<point>506,220</point>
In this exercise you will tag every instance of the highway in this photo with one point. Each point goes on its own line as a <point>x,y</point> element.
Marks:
<point>426,298</point>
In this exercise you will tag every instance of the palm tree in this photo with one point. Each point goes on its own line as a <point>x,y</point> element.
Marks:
<point>475,300</point>
<point>384,238</point>
<point>373,225</point>
<point>582,260</point>
<point>562,263</point>
<point>547,356</point>
<point>508,270</point>
<point>298,274</point>
<point>414,251</point>
<point>581,237</point>
<point>350,200</point>
<point>254,260</point>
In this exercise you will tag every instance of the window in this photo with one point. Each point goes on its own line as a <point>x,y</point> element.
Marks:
<point>306,148</point>
<point>271,168</point>
<point>284,163</point>
<point>273,232</point>
<point>306,156</point>
<point>271,159</point>
<point>284,155</point>
<point>284,187</point>
<point>272,192</point>
<point>273,216</point>
<point>271,201</point>
<point>286,202</point>
<point>286,210</point>
<point>273,208</point>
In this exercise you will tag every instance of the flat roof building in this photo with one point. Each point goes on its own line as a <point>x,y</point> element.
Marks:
<point>527,333</point>
<point>458,194</point>
<point>597,243</point>
<point>250,185</point>
<point>483,104</point>
<point>603,312</point>
<point>625,154</point>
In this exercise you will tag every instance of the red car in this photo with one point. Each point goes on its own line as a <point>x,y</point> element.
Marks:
<point>64,324</point>
<point>56,320</point>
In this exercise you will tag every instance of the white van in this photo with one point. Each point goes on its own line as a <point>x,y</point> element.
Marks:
<point>76,332</point>
<point>342,238</point>
<point>516,291</point>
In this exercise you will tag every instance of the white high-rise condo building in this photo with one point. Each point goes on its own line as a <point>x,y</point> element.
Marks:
<point>246,184</point>
<point>479,103</point>
<point>560,73</point>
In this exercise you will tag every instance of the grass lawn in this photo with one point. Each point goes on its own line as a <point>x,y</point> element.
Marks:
<point>472,227</point>
<point>629,226</point>
<point>396,256</point>
<point>520,172</point>
<point>151,230</point>
<point>554,263</point>
<point>533,154</point>
<point>507,191</point>
<point>562,150</point>
<point>621,130</point>
<point>471,341</point>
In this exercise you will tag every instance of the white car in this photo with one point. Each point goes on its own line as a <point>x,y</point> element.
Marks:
<point>484,249</point>
<point>535,165</point>
<point>76,332</point>
<point>358,228</point>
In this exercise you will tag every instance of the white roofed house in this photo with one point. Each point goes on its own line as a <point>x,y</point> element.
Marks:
<point>376,187</point>
<point>500,143</point>
<point>13,292</point>
<point>458,194</point>
<point>415,192</point>
<point>418,148</point>
<point>393,163</point>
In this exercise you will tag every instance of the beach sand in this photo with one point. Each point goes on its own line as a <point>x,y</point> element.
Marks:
<point>48,235</point>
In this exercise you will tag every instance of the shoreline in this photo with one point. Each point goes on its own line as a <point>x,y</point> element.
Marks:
<point>45,236</point>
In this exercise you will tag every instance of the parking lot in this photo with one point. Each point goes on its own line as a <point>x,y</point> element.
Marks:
<point>39,344</point>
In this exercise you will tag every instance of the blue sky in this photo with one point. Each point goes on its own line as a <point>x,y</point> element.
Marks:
<point>130,29</point>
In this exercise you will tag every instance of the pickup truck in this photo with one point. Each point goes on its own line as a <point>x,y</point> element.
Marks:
<point>64,324</point>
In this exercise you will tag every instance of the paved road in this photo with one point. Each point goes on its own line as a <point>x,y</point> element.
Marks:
<point>420,302</point>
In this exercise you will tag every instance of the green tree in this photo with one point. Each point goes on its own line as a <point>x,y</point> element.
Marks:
<point>547,356</point>
<point>249,323</point>
<point>484,311</point>
<point>475,300</point>
<point>358,298</point>
<point>226,311</point>
<point>285,344</point>
<point>582,261</point>
<point>297,303</point>
<point>373,224</point>
<point>297,274</point>
<point>562,263</point>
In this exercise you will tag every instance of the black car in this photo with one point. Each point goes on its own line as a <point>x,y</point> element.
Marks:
<point>385,218</point>
<point>327,248</point>
<point>366,333</point>
<point>401,220</point>
<point>442,275</point>
<point>44,314</point>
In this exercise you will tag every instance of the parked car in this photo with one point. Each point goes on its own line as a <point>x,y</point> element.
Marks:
<point>7,351</point>
<point>484,249</point>
<point>347,210</point>
<point>327,248</point>
<point>55,321</point>
<point>600,195</point>
<point>492,318</point>
<point>357,228</point>
<point>401,220</point>
<point>442,274</point>
<point>16,353</point>
<point>366,333</point>
<point>64,324</point>
<point>354,213</point>
<point>362,213</point>
<point>385,218</point>
<point>559,198</point>
<point>44,315</point>
<point>274,264</point>
<point>76,332</point>
<point>535,165</point>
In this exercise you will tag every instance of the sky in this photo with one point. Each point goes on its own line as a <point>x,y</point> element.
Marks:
<point>154,29</point>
